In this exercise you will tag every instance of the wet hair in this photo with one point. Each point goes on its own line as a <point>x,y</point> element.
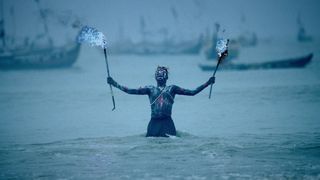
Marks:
<point>162,68</point>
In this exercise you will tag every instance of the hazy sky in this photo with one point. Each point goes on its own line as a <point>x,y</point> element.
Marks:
<point>175,19</point>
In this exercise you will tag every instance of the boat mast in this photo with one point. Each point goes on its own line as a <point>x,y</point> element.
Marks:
<point>45,24</point>
<point>12,13</point>
<point>2,32</point>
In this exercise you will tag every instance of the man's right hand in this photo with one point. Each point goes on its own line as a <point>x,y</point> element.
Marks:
<point>212,80</point>
<point>111,81</point>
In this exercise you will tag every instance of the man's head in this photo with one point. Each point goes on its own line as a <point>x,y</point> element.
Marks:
<point>161,74</point>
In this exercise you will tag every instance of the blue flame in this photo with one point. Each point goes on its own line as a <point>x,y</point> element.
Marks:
<point>222,46</point>
<point>92,36</point>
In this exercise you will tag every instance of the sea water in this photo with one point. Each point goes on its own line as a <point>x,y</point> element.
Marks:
<point>58,124</point>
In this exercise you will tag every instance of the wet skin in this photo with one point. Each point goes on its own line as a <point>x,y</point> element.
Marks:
<point>161,97</point>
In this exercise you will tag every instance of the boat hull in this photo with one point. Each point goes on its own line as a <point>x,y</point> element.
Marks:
<point>61,57</point>
<point>299,62</point>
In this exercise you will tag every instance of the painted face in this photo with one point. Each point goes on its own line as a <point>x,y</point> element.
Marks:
<point>161,74</point>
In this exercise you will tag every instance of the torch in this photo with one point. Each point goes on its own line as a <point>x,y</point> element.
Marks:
<point>222,50</point>
<point>95,38</point>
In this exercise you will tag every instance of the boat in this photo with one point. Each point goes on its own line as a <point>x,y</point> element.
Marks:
<point>151,48</point>
<point>148,45</point>
<point>247,37</point>
<point>298,62</point>
<point>44,58</point>
<point>37,57</point>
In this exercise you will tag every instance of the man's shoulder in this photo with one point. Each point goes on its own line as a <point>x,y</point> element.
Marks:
<point>170,87</point>
<point>173,86</point>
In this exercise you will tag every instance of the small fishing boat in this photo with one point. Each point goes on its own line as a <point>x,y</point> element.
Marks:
<point>298,62</point>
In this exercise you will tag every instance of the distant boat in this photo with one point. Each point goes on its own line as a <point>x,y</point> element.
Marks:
<point>147,46</point>
<point>248,39</point>
<point>298,62</point>
<point>28,57</point>
<point>302,35</point>
<point>58,57</point>
<point>151,48</point>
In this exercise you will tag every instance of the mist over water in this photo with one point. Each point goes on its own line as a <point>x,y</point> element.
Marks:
<point>58,123</point>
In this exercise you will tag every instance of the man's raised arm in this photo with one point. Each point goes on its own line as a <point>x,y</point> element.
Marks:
<point>187,92</point>
<point>139,91</point>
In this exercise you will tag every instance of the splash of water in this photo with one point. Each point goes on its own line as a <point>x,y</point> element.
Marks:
<point>92,36</point>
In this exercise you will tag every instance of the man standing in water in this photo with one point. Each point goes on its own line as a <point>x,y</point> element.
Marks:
<point>161,100</point>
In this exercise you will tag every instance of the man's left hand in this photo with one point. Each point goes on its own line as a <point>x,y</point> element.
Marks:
<point>111,81</point>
